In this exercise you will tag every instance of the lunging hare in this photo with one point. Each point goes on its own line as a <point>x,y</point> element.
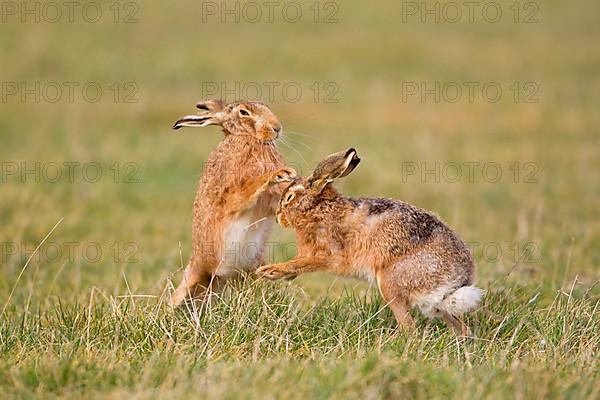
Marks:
<point>414,257</point>
<point>236,197</point>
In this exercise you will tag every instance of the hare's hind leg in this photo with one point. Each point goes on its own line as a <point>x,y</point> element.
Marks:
<point>399,305</point>
<point>456,324</point>
<point>401,312</point>
<point>193,286</point>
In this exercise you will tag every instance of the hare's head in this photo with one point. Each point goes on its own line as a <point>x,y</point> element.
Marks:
<point>244,118</point>
<point>304,193</point>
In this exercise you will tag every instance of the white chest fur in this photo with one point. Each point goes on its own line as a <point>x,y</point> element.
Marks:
<point>243,243</point>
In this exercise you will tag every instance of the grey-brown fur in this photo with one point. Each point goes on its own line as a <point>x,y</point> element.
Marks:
<point>414,257</point>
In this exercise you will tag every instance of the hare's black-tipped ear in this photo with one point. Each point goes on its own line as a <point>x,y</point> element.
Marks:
<point>212,114</point>
<point>351,161</point>
<point>335,166</point>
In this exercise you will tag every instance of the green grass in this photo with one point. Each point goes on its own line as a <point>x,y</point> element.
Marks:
<point>265,339</point>
<point>77,325</point>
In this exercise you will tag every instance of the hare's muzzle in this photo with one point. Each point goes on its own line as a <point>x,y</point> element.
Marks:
<point>278,130</point>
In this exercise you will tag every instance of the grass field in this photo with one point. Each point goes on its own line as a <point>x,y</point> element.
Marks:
<point>104,187</point>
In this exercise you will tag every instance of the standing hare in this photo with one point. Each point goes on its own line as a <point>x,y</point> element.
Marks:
<point>236,197</point>
<point>414,257</point>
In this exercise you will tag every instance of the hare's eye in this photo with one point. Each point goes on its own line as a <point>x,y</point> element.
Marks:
<point>244,112</point>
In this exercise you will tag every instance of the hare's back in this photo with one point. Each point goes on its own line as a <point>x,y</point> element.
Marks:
<point>404,228</point>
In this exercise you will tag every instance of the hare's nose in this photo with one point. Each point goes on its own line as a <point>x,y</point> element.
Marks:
<point>277,129</point>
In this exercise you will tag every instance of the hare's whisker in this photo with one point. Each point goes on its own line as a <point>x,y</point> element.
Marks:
<point>299,133</point>
<point>299,143</point>
<point>254,223</point>
<point>294,150</point>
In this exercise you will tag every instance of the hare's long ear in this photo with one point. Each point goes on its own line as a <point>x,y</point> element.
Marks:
<point>335,166</point>
<point>213,114</point>
<point>213,105</point>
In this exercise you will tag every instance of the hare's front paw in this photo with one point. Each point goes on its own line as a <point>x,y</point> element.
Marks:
<point>285,174</point>
<point>275,272</point>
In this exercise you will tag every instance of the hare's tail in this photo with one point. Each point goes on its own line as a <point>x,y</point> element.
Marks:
<point>461,301</point>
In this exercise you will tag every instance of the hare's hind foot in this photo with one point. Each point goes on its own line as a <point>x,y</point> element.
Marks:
<point>186,293</point>
<point>194,286</point>
<point>459,327</point>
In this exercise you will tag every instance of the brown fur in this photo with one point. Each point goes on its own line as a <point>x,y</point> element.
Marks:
<point>238,193</point>
<point>411,254</point>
